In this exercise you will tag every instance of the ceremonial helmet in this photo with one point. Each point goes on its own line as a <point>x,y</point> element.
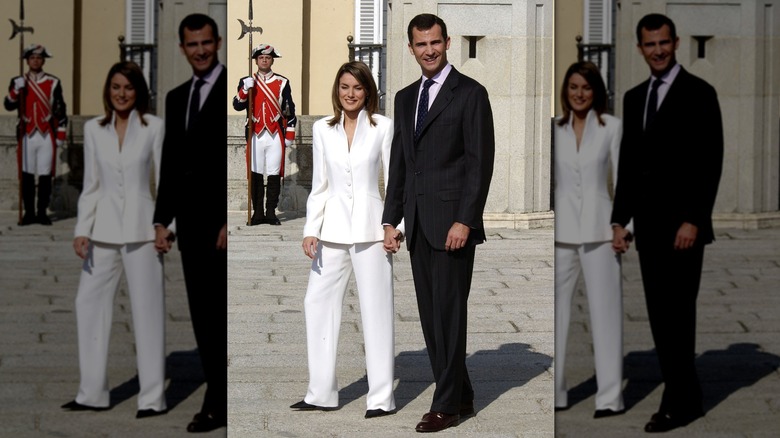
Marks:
<point>36,49</point>
<point>265,49</point>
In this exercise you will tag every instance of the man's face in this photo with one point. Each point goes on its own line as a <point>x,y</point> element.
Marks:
<point>200,48</point>
<point>658,48</point>
<point>35,62</point>
<point>429,49</point>
<point>264,63</point>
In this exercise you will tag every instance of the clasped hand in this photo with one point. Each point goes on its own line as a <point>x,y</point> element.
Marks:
<point>393,239</point>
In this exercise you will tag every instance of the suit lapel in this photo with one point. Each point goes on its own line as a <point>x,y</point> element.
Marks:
<point>410,103</point>
<point>443,99</point>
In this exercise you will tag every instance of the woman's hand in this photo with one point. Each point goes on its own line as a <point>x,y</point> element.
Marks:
<point>621,239</point>
<point>81,246</point>
<point>310,246</point>
<point>393,239</point>
<point>163,240</point>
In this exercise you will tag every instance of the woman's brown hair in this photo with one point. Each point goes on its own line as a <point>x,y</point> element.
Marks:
<point>592,76</point>
<point>133,73</point>
<point>362,74</point>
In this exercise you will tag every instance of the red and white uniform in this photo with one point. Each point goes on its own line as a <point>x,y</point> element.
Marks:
<point>273,117</point>
<point>44,121</point>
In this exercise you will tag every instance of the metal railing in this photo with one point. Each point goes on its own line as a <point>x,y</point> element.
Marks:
<point>372,55</point>
<point>145,55</point>
<point>603,55</point>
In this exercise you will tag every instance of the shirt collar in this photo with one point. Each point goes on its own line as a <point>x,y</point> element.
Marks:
<point>211,76</point>
<point>441,76</point>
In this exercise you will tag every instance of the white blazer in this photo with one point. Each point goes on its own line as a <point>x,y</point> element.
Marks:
<point>116,204</point>
<point>344,205</point>
<point>583,205</point>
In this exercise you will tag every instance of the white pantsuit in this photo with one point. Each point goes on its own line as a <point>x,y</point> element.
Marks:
<point>344,211</point>
<point>115,212</point>
<point>583,243</point>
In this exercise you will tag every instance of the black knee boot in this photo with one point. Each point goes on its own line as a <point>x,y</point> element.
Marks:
<point>257,199</point>
<point>44,196</point>
<point>274,189</point>
<point>28,198</point>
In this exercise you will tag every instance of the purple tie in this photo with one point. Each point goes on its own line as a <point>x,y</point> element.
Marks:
<point>422,108</point>
<point>652,102</point>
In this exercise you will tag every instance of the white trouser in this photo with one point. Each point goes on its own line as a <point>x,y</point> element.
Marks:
<point>38,154</point>
<point>266,153</point>
<point>600,267</point>
<point>328,280</point>
<point>99,281</point>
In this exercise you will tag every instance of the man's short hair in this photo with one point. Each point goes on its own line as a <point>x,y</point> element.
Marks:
<point>425,22</point>
<point>655,22</point>
<point>197,22</point>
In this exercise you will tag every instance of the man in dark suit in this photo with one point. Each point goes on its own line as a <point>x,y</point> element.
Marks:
<point>441,164</point>
<point>671,157</point>
<point>193,190</point>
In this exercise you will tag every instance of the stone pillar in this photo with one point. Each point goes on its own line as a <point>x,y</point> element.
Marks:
<point>735,46</point>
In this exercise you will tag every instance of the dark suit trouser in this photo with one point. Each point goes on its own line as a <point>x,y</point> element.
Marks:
<point>671,282</point>
<point>442,281</point>
<point>205,277</point>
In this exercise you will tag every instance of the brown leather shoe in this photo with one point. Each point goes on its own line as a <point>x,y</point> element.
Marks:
<point>436,421</point>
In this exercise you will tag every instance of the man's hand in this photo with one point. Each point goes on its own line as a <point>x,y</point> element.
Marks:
<point>393,238</point>
<point>310,246</point>
<point>163,239</point>
<point>18,84</point>
<point>457,237</point>
<point>621,239</point>
<point>248,83</point>
<point>686,236</point>
<point>81,246</point>
<point>222,238</point>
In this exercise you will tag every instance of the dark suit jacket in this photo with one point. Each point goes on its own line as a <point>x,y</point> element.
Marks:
<point>443,177</point>
<point>193,174</point>
<point>669,173</point>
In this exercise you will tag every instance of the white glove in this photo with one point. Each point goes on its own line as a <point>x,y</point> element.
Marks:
<point>18,83</point>
<point>248,83</point>
<point>287,143</point>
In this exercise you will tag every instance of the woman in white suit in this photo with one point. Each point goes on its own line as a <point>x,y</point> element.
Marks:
<point>114,232</point>
<point>587,144</point>
<point>343,233</point>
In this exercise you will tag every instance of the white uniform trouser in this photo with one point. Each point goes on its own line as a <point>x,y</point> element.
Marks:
<point>266,153</point>
<point>99,281</point>
<point>330,273</point>
<point>38,154</point>
<point>600,267</point>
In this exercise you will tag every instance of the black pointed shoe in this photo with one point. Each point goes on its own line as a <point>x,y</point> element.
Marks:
<point>373,413</point>
<point>664,422</point>
<point>146,413</point>
<point>73,405</point>
<point>205,422</point>
<point>303,406</point>
<point>601,413</point>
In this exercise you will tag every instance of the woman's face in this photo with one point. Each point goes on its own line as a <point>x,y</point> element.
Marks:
<point>352,95</point>
<point>580,93</point>
<point>122,93</point>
